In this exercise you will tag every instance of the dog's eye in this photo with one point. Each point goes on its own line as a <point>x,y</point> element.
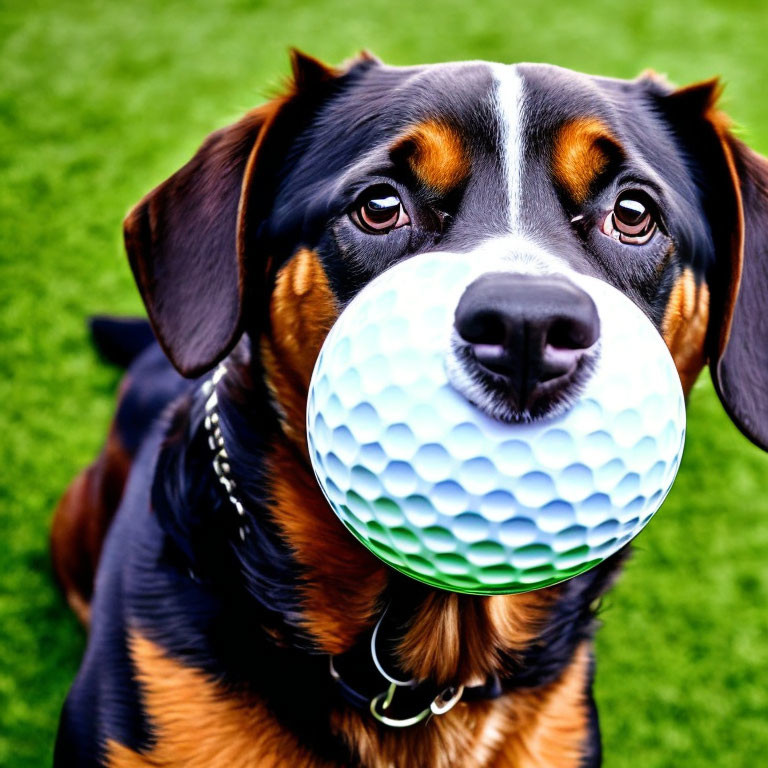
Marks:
<point>632,219</point>
<point>379,210</point>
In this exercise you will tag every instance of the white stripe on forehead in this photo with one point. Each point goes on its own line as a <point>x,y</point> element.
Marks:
<point>519,249</point>
<point>509,98</point>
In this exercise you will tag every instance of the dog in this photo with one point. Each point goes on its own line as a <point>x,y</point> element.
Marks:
<point>233,621</point>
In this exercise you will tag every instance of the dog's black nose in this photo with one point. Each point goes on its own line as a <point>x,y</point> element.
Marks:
<point>526,330</point>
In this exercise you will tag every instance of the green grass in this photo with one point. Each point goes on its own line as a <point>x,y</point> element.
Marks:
<point>99,101</point>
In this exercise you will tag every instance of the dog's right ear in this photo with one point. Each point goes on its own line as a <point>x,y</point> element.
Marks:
<point>187,239</point>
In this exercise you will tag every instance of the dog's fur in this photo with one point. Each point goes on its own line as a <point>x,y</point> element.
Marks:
<point>210,649</point>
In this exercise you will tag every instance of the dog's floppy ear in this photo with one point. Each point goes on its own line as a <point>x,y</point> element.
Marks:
<point>739,362</point>
<point>737,344</point>
<point>189,240</point>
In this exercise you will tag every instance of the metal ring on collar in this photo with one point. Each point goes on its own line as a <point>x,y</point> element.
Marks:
<point>441,704</point>
<point>444,702</point>
<point>377,663</point>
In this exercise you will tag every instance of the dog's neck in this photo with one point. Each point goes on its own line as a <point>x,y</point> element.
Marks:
<point>342,588</point>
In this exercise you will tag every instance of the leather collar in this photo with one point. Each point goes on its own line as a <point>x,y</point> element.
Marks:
<point>367,677</point>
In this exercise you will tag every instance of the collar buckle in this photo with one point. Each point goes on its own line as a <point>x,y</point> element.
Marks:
<point>444,702</point>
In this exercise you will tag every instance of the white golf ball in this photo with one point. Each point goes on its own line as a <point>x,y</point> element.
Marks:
<point>452,497</point>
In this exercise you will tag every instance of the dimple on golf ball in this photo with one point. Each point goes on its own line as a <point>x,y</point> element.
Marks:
<point>459,500</point>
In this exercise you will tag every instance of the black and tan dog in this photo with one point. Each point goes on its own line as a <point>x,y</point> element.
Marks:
<point>238,632</point>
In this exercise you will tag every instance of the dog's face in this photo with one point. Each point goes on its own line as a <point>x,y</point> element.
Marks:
<point>548,170</point>
<point>541,170</point>
<point>281,219</point>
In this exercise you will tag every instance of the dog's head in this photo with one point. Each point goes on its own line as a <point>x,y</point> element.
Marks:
<point>281,218</point>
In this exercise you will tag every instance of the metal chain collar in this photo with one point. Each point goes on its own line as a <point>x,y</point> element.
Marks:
<point>216,442</point>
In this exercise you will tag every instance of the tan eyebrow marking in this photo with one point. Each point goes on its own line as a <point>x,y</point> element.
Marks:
<point>436,154</point>
<point>582,152</point>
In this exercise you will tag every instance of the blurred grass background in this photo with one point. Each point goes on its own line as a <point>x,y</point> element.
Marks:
<point>100,101</point>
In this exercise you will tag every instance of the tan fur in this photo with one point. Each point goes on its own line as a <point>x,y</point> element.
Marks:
<point>546,728</point>
<point>69,545</point>
<point>197,723</point>
<point>302,311</point>
<point>684,327</point>
<point>81,520</point>
<point>580,155</point>
<point>462,737</point>
<point>344,580</point>
<point>436,154</point>
<point>461,637</point>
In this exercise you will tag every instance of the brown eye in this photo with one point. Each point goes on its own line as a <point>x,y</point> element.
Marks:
<point>632,219</point>
<point>379,211</point>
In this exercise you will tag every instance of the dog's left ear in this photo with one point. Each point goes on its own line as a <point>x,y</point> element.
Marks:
<point>737,344</point>
<point>191,242</point>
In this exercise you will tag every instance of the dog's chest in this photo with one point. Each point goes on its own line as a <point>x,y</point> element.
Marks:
<point>197,723</point>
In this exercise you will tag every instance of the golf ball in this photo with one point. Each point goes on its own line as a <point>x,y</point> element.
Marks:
<point>459,500</point>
